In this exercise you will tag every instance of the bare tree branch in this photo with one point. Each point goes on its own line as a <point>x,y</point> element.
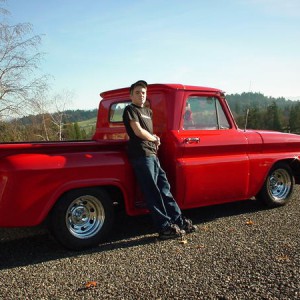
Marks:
<point>52,111</point>
<point>19,62</point>
<point>3,11</point>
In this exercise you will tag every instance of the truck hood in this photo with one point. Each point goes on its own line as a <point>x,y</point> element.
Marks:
<point>279,140</point>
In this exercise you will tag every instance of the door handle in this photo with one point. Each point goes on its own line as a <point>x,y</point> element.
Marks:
<point>192,140</point>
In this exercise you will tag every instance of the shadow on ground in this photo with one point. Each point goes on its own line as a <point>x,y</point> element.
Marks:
<point>27,246</point>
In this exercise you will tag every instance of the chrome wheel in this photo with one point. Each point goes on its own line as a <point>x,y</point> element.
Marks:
<point>278,187</point>
<point>85,217</point>
<point>279,184</point>
<point>82,218</point>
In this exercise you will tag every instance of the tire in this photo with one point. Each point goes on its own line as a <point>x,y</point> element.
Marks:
<point>82,218</point>
<point>278,187</point>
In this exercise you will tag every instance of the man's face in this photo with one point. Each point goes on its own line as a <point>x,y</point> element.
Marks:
<point>138,96</point>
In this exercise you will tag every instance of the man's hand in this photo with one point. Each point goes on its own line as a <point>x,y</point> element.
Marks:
<point>157,141</point>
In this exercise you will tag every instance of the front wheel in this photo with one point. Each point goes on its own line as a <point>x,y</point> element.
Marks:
<point>278,187</point>
<point>82,218</point>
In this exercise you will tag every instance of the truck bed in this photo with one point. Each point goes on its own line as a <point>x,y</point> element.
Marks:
<point>34,175</point>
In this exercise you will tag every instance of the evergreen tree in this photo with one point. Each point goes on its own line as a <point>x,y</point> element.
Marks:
<point>294,119</point>
<point>272,120</point>
<point>77,131</point>
<point>254,118</point>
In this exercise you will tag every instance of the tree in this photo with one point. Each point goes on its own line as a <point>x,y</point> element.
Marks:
<point>294,119</point>
<point>272,119</point>
<point>52,111</point>
<point>254,119</point>
<point>19,60</point>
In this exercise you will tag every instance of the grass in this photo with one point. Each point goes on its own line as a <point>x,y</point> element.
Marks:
<point>88,124</point>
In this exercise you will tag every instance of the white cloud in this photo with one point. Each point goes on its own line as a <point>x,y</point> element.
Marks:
<point>285,8</point>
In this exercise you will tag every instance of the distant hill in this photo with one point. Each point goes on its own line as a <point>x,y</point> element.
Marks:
<point>71,116</point>
<point>81,115</point>
<point>240,102</point>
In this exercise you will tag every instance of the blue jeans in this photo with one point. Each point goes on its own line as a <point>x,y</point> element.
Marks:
<point>156,190</point>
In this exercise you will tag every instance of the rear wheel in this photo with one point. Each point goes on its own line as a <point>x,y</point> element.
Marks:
<point>82,218</point>
<point>278,187</point>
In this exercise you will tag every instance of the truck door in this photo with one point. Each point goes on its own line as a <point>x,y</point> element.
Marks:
<point>214,166</point>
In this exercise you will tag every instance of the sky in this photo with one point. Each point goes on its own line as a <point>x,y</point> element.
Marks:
<point>237,46</point>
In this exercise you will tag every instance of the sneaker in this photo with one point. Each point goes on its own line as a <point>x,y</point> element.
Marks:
<point>188,226</point>
<point>171,232</point>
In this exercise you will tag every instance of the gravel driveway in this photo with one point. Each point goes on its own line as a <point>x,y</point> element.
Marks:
<point>241,251</point>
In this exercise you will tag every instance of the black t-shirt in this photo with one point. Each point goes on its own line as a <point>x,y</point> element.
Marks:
<point>138,147</point>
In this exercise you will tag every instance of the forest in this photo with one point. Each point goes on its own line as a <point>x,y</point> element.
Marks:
<point>264,112</point>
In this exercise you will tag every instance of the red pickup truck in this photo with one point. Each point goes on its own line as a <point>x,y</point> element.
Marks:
<point>75,186</point>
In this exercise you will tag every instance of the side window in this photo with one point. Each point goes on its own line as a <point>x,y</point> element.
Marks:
<point>204,113</point>
<point>116,111</point>
<point>223,122</point>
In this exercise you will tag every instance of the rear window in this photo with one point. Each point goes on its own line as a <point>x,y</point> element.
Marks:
<point>116,111</point>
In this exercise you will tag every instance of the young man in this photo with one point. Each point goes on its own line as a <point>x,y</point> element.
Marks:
<point>142,152</point>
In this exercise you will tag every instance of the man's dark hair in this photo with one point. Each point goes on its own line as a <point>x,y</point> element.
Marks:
<point>142,83</point>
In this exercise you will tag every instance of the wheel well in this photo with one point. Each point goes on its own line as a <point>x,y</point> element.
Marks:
<point>114,192</point>
<point>295,167</point>
<point>116,195</point>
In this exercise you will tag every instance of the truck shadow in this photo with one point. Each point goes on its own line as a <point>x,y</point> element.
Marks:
<point>28,246</point>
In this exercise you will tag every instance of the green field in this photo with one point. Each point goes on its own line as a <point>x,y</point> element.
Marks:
<point>88,124</point>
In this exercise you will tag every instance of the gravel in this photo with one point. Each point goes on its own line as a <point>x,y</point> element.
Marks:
<point>241,251</point>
